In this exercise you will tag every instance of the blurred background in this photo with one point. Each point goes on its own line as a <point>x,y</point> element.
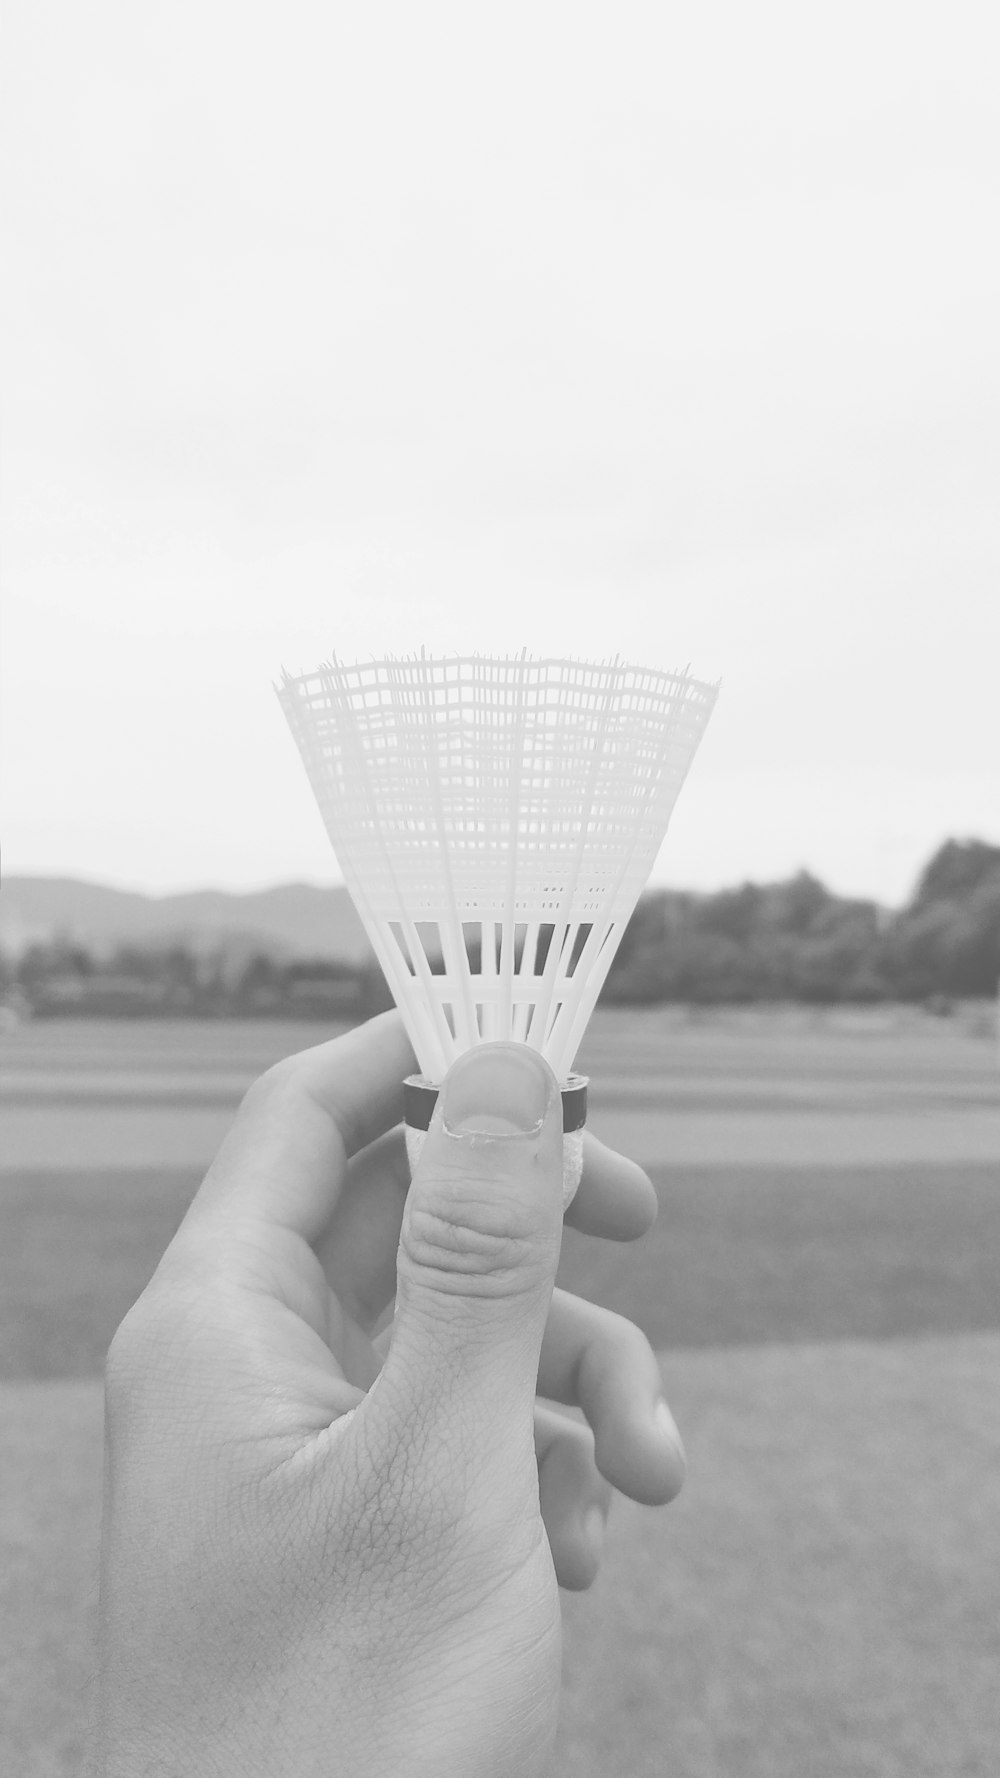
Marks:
<point>667,334</point>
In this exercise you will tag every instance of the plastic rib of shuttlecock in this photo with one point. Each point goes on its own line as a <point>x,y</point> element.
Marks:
<point>495,821</point>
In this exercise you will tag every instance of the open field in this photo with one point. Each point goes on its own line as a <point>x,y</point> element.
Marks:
<point>822,1284</point>
<point>737,1256</point>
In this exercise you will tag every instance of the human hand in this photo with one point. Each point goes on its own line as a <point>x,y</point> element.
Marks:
<point>319,1560</point>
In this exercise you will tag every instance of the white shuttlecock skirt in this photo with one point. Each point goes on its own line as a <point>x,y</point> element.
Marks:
<point>495,821</point>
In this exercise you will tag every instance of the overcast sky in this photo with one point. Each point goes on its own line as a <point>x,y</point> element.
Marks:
<point>667,332</point>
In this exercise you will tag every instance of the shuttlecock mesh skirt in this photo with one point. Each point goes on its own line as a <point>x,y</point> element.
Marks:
<point>495,821</point>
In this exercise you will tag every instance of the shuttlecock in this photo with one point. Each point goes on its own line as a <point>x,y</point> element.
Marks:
<point>495,821</point>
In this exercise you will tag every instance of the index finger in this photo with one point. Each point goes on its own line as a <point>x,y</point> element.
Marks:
<point>283,1161</point>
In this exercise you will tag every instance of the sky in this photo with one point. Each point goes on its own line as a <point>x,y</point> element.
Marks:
<point>637,329</point>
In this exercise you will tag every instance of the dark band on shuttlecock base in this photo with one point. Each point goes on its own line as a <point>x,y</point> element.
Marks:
<point>420,1097</point>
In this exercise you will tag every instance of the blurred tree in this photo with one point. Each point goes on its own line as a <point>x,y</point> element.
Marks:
<point>956,871</point>
<point>794,940</point>
<point>947,940</point>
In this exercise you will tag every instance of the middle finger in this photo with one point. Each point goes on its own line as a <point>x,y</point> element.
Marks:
<point>602,1363</point>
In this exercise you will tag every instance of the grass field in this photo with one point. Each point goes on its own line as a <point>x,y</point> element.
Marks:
<point>822,1285</point>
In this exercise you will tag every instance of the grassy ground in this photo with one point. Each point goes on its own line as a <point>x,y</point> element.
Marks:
<point>736,1257</point>
<point>823,1601</point>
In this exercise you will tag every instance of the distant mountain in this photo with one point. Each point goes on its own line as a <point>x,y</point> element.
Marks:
<point>292,920</point>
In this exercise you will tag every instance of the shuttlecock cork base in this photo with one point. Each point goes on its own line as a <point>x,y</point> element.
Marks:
<point>495,820</point>
<point>420,1096</point>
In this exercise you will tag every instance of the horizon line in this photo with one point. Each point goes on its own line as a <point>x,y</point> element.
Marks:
<point>244,893</point>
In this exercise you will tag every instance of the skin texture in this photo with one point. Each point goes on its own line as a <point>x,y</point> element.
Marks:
<point>333,1538</point>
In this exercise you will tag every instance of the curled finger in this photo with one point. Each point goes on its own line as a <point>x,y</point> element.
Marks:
<point>602,1363</point>
<point>573,1495</point>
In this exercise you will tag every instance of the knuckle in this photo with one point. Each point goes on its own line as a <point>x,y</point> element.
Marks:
<point>272,1084</point>
<point>133,1350</point>
<point>286,1085</point>
<point>470,1238</point>
<point>157,1342</point>
<point>623,1337</point>
<point>614,1348</point>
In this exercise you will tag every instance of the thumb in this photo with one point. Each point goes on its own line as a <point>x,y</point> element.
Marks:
<point>479,1243</point>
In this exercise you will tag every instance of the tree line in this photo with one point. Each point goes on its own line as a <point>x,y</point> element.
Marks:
<point>789,941</point>
<point>798,941</point>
